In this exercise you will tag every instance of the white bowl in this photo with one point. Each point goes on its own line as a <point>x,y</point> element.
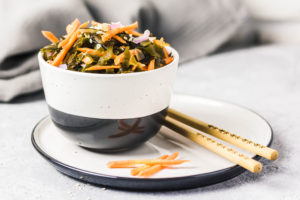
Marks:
<point>88,107</point>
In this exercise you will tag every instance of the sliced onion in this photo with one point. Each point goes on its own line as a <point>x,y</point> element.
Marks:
<point>142,38</point>
<point>48,54</point>
<point>63,66</point>
<point>115,25</point>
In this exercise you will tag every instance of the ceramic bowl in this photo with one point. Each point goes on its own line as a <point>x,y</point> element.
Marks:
<point>108,112</point>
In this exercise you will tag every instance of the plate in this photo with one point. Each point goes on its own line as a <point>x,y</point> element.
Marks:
<point>204,168</point>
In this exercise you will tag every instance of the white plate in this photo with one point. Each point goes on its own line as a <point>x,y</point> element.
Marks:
<point>205,167</point>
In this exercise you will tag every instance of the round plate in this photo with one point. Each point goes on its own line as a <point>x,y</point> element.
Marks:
<point>204,168</point>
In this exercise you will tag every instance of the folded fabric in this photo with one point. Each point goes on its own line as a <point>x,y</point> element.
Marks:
<point>193,27</point>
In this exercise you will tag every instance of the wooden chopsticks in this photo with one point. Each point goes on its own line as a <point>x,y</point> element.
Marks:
<point>186,125</point>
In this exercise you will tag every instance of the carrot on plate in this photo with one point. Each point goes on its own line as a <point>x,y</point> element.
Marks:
<point>137,170</point>
<point>146,172</point>
<point>50,36</point>
<point>131,163</point>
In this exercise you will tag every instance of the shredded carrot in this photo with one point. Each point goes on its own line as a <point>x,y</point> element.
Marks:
<point>109,34</point>
<point>99,67</point>
<point>93,52</point>
<point>74,28</point>
<point>151,65</point>
<point>85,24</point>
<point>132,52</point>
<point>165,52</point>
<point>168,60</point>
<point>156,168</point>
<point>131,163</point>
<point>68,29</point>
<point>70,26</point>
<point>134,67</point>
<point>137,170</point>
<point>104,26</point>
<point>50,36</point>
<point>61,55</point>
<point>119,59</point>
<point>119,39</point>
<point>94,23</point>
<point>134,33</point>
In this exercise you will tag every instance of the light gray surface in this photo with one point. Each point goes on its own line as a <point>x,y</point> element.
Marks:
<point>263,79</point>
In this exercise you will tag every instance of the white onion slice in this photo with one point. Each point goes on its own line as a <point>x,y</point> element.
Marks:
<point>142,38</point>
<point>49,54</point>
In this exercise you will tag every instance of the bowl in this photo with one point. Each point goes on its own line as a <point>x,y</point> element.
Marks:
<point>108,112</point>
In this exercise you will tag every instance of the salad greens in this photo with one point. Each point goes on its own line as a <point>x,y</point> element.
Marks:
<point>106,48</point>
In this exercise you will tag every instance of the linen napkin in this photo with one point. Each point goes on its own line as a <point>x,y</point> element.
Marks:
<point>193,27</point>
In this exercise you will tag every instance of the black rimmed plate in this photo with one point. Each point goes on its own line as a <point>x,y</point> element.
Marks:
<point>205,168</point>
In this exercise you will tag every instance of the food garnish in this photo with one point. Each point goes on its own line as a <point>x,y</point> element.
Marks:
<point>149,167</point>
<point>106,48</point>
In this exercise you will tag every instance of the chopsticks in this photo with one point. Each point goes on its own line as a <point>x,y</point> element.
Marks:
<point>187,125</point>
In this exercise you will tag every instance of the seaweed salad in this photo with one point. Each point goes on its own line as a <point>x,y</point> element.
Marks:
<point>106,48</point>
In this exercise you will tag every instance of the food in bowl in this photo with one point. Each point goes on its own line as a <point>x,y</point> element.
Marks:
<point>106,48</point>
<point>103,110</point>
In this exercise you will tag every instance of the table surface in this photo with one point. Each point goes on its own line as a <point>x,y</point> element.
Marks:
<point>264,79</point>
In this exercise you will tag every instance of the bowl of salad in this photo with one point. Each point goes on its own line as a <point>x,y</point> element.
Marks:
<point>107,84</point>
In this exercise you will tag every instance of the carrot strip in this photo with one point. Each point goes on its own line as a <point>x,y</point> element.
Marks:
<point>93,52</point>
<point>104,27</point>
<point>169,60</point>
<point>119,59</point>
<point>69,27</point>
<point>119,39</point>
<point>156,168</point>
<point>94,23</point>
<point>151,65</point>
<point>109,34</point>
<point>134,67</point>
<point>99,67</point>
<point>130,163</point>
<point>165,52</point>
<point>132,52</point>
<point>74,27</point>
<point>150,171</point>
<point>134,33</point>
<point>50,36</point>
<point>85,24</point>
<point>61,55</point>
<point>137,170</point>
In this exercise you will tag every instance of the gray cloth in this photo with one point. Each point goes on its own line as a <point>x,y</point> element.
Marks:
<point>193,27</point>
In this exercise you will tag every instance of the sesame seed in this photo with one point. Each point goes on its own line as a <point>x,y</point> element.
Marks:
<point>98,46</point>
